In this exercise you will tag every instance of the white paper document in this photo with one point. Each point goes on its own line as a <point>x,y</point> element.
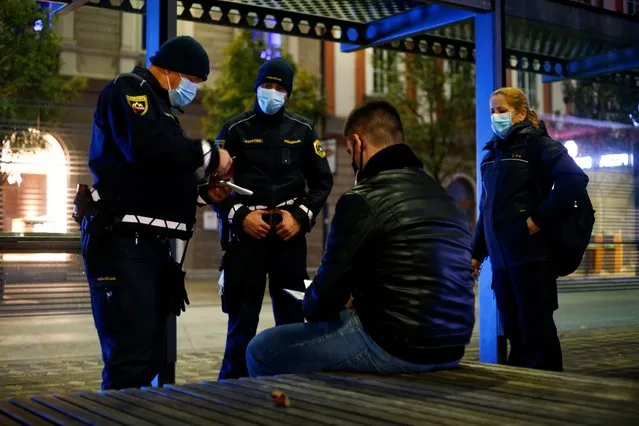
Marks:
<point>299,295</point>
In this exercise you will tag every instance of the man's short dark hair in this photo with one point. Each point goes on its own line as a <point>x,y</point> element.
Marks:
<point>376,120</point>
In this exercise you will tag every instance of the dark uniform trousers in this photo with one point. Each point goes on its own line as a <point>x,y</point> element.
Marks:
<point>125,275</point>
<point>246,265</point>
<point>527,299</point>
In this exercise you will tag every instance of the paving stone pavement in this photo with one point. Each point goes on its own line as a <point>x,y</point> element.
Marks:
<point>610,352</point>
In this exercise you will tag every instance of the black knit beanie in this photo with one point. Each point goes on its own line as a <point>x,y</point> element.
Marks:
<point>184,55</point>
<point>276,71</point>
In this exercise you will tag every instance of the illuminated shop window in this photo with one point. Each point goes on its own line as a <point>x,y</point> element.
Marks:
<point>34,193</point>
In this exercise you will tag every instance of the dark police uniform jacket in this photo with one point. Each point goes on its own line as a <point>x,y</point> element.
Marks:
<point>143,164</point>
<point>277,157</point>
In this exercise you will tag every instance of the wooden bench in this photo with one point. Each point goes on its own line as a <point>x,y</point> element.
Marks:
<point>473,394</point>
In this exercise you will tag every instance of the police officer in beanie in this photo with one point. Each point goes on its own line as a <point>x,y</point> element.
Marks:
<point>277,156</point>
<point>146,175</point>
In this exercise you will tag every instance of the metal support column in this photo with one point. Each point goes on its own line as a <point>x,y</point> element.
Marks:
<point>161,25</point>
<point>635,176</point>
<point>490,74</point>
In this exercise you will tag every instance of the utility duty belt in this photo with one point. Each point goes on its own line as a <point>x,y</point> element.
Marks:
<point>89,205</point>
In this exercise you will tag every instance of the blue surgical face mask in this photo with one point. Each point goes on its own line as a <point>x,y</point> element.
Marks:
<point>501,124</point>
<point>270,100</point>
<point>184,93</point>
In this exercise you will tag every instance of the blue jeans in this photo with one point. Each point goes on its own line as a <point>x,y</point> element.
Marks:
<point>340,345</point>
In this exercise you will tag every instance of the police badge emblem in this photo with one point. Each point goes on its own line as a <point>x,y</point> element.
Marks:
<point>139,104</point>
<point>319,149</point>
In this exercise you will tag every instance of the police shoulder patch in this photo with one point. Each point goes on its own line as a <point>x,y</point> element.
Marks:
<point>139,104</point>
<point>319,149</point>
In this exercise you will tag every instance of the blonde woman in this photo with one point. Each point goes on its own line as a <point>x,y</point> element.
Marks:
<point>529,181</point>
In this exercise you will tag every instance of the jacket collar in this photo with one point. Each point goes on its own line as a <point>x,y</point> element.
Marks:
<point>152,82</point>
<point>273,120</point>
<point>397,156</point>
<point>521,128</point>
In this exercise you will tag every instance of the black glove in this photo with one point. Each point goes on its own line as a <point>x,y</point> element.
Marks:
<point>175,289</point>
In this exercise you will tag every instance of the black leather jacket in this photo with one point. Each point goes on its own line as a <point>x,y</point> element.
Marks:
<point>402,247</point>
<point>517,176</point>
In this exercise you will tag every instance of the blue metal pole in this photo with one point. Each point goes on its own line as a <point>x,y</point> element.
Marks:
<point>161,25</point>
<point>490,75</point>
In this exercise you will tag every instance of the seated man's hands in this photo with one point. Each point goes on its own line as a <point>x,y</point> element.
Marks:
<point>349,305</point>
<point>289,227</point>
<point>476,264</point>
<point>255,226</point>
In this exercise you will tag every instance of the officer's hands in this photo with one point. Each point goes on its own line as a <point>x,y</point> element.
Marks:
<point>224,168</point>
<point>255,226</point>
<point>289,227</point>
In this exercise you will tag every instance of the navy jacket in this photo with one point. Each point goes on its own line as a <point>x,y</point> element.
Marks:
<point>142,162</point>
<point>518,175</point>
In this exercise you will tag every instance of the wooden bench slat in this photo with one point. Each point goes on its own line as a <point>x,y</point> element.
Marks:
<point>422,405</point>
<point>566,392</point>
<point>527,402</point>
<point>228,414</point>
<point>339,415</point>
<point>47,413</point>
<point>382,406</point>
<point>138,407</point>
<point>134,414</point>
<point>267,404</point>
<point>479,401</point>
<point>566,377</point>
<point>22,416</point>
<point>257,413</point>
<point>102,410</point>
<point>74,411</point>
<point>183,413</point>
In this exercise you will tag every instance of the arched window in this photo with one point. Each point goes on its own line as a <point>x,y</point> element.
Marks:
<point>34,196</point>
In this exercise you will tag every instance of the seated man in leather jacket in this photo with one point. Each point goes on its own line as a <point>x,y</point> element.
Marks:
<point>394,292</point>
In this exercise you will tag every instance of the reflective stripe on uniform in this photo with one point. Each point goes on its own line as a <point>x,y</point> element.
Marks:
<point>308,212</point>
<point>232,212</point>
<point>159,223</point>
<point>143,220</point>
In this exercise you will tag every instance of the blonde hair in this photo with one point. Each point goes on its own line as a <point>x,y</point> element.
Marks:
<point>517,99</point>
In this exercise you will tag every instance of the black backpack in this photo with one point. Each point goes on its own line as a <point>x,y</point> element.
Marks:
<point>571,235</point>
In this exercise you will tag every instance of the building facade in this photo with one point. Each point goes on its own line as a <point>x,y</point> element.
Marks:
<point>98,44</point>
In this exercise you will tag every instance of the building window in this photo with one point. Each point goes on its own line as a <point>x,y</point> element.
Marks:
<point>632,7</point>
<point>527,82</point>
<point>34,194</point>
<point>385,64</point>
<point>272,43</point>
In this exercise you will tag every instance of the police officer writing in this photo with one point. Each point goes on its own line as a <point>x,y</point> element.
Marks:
<point>146,175</point>
<point>277,155</point>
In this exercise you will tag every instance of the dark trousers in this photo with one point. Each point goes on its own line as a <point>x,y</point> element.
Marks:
<point>125,280</point>
<point>246,265</point>
<point>527,298</point>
